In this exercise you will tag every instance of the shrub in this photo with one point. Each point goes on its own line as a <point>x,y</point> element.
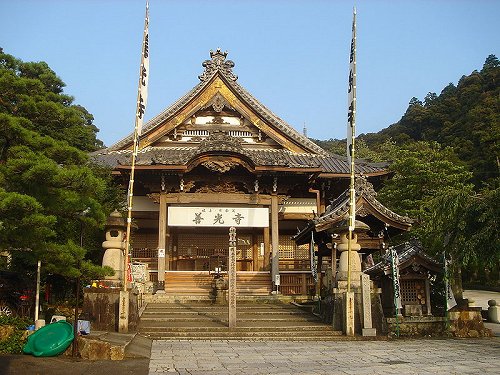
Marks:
<point>16,338</point>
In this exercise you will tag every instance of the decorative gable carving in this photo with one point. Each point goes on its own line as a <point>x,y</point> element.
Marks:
<point>217,63</point>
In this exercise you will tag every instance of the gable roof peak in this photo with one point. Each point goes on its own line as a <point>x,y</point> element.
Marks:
<point>218,63</point>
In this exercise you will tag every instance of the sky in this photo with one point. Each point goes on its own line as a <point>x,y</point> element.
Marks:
<point>293,56</point>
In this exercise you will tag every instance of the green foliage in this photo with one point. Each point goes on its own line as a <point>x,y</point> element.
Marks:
<point>15,342</point>
<point>465,117</point>
<point>32,91</point>
<point>50,196</point>
<point>421,171</point>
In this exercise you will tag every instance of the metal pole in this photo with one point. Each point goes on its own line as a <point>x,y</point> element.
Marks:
<point>75,323</point>
<point>352,192</point>
<point>37,297</point>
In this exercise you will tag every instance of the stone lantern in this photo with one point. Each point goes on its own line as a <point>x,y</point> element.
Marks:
<point>343,230</point>
<point>114,245</point>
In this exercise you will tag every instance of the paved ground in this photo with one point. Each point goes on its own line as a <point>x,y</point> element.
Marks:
<point>29,365</point>
<point>451,356</point>
<point>481,297</point>
<point>346,357</point>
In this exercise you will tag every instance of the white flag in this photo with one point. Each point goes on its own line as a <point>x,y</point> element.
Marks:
<point>142,95</point>
<point>395,278</point>
<point>450,298</point>
<point>351,99</point>
<point>314,264</point>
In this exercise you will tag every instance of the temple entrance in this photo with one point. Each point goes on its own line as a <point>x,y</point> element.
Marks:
<point>207,250</point>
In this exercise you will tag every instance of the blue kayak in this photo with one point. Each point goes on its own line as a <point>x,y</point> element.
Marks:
<point>50,340</point>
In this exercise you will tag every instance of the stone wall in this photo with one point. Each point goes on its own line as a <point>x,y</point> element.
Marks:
<point>417,326</point>
<point>468,323</point>
<point>101,305</point>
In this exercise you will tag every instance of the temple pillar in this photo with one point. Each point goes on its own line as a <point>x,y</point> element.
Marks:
<point>274,238</point>
<point>267,249</point>
<point>162,240</point>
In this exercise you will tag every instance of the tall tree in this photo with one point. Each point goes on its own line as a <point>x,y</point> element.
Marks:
<point>49,193</point>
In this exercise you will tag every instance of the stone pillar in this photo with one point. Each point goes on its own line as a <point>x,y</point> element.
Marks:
<point>334,264</point>
<point>231,271</point>
<point>274,237</point>
<point>162,241</point>
<point>366,302</point>
<point>114,245</point>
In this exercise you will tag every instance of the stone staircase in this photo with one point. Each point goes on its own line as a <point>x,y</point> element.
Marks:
<point>255,321</point>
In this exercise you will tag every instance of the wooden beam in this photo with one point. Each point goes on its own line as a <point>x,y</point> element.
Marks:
<point>274,237</point>
<point>162,240</point>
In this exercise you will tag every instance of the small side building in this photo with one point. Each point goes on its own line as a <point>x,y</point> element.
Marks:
<point>416,270</point>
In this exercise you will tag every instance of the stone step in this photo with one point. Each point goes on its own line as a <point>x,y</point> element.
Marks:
<point>244,335</point>
<point>242,306</point>
<point>257,321</point>
<point>239,328</point>
<point>239,312</point>
<point>266,338</point>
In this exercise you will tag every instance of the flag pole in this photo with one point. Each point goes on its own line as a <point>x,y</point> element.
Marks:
<point>139,119</point>
<point>351,134</point>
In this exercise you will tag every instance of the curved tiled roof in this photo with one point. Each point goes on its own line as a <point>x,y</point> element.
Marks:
<point>339,209</point>
<point>260,157</point>
<point>405,252</point>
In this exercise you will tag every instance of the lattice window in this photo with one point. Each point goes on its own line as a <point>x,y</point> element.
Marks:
<point>289,249</point>
<point>145,245</point>
<point>413,292</point>
<point>206,245</point>
<point>145,240</point>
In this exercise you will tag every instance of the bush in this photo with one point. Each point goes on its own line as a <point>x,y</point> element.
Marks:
<point>15,338</point>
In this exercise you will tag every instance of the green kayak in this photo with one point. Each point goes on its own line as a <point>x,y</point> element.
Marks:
<point>51,340</point>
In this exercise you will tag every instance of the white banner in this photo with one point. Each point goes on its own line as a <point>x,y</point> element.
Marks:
<point>218,217</point>
<point>351,99</point>
<point>395,278</point>
<point>142,96</point>
<point>450,298</point>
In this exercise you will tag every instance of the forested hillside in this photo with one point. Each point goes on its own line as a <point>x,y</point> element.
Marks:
<point>465,117</point>
<point>444,153</point>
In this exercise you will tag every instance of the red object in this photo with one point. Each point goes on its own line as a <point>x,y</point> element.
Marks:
<point>129,272</point>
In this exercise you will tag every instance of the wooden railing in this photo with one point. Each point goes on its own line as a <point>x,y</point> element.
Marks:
<point>296,283</point>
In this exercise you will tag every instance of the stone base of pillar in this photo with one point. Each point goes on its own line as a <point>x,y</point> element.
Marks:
<point>101,307</point>
<point>349,313</point>
<point>369,332</point>
<point>123,307</point>
<point>337,306</point>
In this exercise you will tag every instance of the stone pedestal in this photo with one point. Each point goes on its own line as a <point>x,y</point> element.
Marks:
<point>101,308</point>
<point>220,290</point>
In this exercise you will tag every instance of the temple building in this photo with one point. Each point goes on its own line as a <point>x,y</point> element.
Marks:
<point>218,158</point>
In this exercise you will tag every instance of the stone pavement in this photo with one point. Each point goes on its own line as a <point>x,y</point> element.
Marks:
<point>450,356</point>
